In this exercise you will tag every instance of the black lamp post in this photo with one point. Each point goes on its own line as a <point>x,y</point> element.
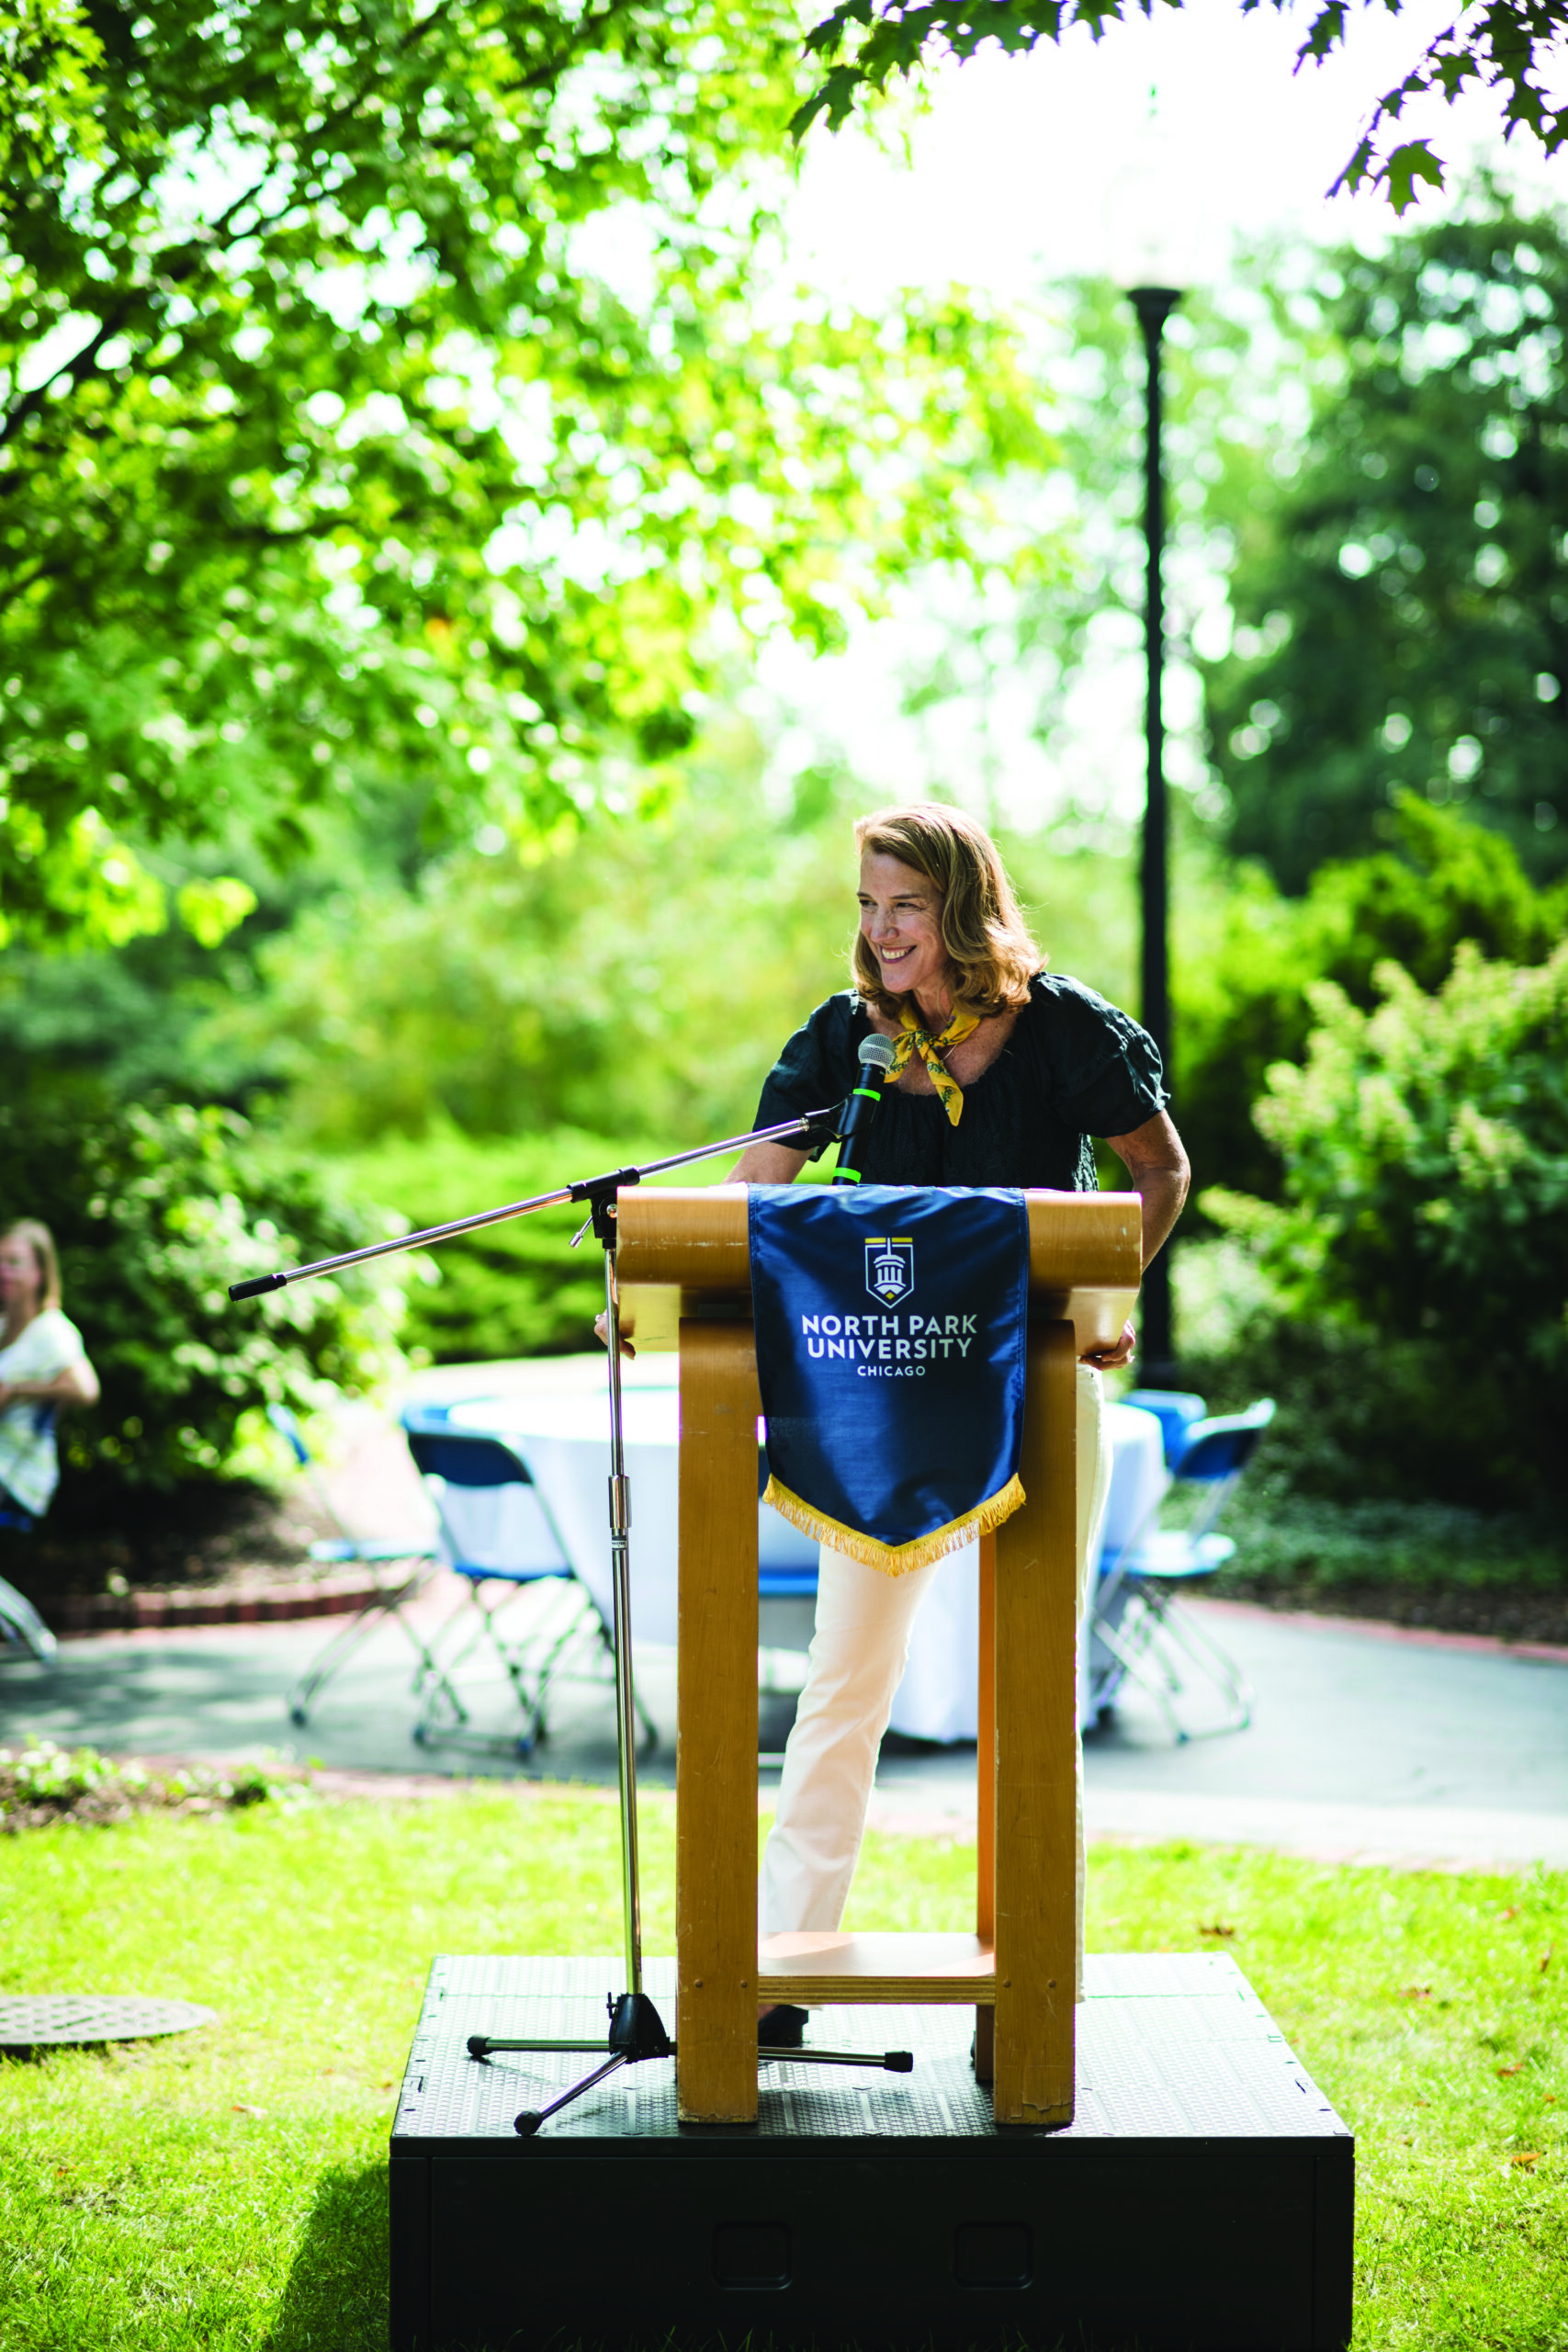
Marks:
<point>1154,305</point>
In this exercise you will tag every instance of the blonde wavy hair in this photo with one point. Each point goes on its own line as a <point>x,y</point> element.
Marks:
<point>40,1241</point>
<point>990,953</point>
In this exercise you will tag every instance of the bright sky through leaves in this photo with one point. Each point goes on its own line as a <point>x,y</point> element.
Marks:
<point>1005,180</point>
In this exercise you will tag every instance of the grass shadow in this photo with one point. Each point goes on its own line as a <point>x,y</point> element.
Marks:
<point>337,2298</point>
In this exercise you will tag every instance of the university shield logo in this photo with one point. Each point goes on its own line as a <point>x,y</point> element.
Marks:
<point>890,1268</point>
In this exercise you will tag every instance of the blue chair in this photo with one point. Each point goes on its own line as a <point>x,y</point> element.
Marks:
<point>1175,1410</point>
<point>456,1462</point>
<point>1138,1627</point>
<point>391,1593</point>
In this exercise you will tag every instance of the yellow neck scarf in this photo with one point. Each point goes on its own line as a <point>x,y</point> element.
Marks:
<point>918,1040</point>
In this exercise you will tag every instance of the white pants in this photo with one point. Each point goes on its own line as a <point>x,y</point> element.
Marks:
<point>857,1660</point>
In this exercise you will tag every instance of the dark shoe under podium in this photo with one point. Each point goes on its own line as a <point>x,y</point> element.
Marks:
<point>1202,2200</point>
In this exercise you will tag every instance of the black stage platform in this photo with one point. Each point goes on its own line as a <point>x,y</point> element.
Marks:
<point>1201,2201</point>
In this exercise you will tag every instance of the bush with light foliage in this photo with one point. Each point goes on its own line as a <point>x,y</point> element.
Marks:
<point>1425,1211</point>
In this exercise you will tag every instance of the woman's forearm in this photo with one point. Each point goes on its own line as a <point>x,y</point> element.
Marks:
<point>1153,1158</point>
<point>1161,1192</point>
<point>77,1384</point>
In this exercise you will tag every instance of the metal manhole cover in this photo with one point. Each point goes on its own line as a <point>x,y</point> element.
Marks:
<point>29,2020</point>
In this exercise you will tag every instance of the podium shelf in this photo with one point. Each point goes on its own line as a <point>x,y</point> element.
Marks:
<point>814,1966</point>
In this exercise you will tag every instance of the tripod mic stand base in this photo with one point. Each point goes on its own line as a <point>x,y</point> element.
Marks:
<point>636,2029</point>
<point>636,2033</point>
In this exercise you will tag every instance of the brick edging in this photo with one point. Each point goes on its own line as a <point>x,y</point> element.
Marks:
<point>79,1615</point>
<point>1384,1629</point>
<point>76,1615</point>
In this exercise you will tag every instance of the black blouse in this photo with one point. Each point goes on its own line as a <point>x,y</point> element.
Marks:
<point>1074,1067</point>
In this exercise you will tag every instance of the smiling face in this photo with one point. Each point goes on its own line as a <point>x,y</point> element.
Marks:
<point>900,920</point>
<point>21,1279</point>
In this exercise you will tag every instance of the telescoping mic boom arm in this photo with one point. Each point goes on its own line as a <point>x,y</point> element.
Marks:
<point>599,1192</point>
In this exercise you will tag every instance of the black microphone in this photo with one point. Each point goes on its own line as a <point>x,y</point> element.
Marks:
<point>859,1109</point>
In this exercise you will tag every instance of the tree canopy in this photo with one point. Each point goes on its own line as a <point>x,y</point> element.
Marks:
<point>1501,45</point>
<point>1401,584</point>
<point>378,388</point>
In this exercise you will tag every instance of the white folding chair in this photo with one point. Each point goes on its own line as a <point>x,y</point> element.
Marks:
<point>21,1627</point>
<point>380,1557</point>
<point>499,1537</point>
<point>1139,1630</point>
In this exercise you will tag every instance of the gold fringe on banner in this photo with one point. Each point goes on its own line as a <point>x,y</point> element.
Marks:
<point>896,1559</point>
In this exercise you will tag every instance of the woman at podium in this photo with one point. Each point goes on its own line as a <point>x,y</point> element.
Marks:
<point>1003,1074</point>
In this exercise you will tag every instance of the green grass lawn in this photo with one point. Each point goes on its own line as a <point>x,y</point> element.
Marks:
<point>225,2188</point>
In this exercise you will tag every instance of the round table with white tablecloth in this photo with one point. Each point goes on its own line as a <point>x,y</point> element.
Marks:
<point>561,1431</point>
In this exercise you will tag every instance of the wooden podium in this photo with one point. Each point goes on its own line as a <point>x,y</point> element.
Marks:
<point>683,1264</point>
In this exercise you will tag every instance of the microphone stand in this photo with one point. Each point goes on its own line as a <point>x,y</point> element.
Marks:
<point>599,1192</point>
<point>637,2031</point>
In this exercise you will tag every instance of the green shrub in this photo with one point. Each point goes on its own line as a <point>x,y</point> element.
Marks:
<point>155,1212</point>
<point>1246,954</point>
<point>517,1289</point>
<point>1419,1258</point>
<point>1323,1550</point>
<point>44,1784</point>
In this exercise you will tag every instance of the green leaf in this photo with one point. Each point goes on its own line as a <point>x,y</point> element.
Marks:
<point>1506,44</point>
<point>1414,161</point>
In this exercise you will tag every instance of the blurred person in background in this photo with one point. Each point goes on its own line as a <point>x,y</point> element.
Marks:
<point>43,1366</point>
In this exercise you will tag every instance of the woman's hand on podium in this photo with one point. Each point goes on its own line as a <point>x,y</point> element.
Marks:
<point>1102,1359</point>
<point>601,1333</point>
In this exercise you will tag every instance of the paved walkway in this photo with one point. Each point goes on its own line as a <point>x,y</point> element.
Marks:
<point>1360,1744</point>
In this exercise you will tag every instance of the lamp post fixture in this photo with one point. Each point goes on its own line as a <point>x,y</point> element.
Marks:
<point>1154,305</point>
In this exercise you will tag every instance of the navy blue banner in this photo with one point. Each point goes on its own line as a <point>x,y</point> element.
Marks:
<point>891,1326</point>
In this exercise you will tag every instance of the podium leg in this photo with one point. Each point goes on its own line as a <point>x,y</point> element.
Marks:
<point>715,1753</point>
<point>1036,1843</point>
<point>985,1800</point>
